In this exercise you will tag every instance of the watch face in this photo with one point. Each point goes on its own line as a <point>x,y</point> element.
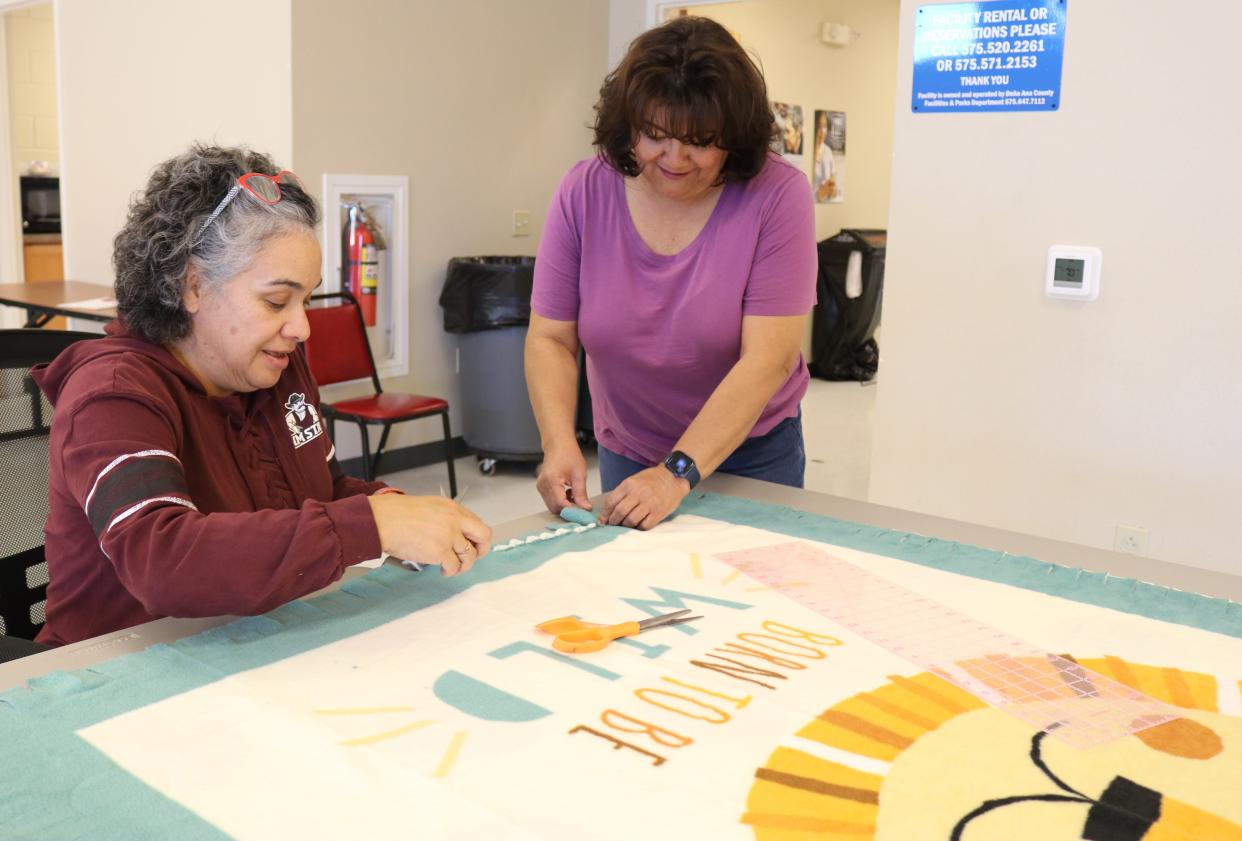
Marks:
<point>682,466</point>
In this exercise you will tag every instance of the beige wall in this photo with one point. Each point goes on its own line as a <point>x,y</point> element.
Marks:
<point>1004,407</point>
<point>140,80</point>
<point>859,80</point>
<point>483,105</point>
<point>31,55</point>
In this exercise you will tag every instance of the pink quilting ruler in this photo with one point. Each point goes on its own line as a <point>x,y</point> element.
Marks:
<point>1045,690</point>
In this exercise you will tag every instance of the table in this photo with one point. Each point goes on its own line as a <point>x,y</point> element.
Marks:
<point>402,705</point>
<point>1206,582</point>
<point>46,299</point>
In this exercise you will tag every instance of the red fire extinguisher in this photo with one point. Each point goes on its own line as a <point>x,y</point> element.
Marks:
<point>360,268</point>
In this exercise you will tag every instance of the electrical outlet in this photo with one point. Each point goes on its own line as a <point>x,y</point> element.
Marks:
<point>521,223</point>
<point>1130,539</point>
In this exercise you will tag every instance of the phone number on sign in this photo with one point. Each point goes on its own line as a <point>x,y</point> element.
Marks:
<point>970,48</point>
<point>1012,62</point>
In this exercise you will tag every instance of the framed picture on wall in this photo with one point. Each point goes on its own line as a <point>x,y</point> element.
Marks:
<point>828,170</point>
<point>788,142</point>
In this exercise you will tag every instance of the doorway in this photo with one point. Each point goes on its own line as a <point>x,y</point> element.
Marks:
<point>30,236</point>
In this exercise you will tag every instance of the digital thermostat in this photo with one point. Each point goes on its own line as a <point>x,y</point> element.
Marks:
<point>1073,272</point>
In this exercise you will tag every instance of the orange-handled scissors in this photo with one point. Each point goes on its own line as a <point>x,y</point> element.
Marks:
<point>573,636</point>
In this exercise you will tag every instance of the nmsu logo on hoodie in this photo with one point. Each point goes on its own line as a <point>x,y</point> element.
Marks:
<point>302,419</point>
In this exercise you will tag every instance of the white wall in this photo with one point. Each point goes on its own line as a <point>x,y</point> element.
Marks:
<point>859,79</point>
<point>1003,407</point>
<point>483,105</point>
<point>10,211</point>
<point>32,85</point>
<point>142,79</point>
<point>627,19</point>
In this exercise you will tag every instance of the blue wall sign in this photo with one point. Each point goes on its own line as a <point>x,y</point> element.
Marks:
<point>1001,55</point>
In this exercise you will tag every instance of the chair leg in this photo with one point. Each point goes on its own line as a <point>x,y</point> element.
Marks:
<point>380,450</point>
<point>366,452</point>
<point>448,456</point>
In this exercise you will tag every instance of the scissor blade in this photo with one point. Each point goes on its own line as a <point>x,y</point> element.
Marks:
<point>675,618</point>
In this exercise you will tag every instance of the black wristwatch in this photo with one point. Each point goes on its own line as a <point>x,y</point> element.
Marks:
<point>683,467</point>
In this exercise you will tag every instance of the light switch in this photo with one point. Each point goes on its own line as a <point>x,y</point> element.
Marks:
<point>521,223</point>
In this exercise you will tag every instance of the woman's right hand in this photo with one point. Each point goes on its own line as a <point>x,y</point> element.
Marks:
<point>562,478</point>
<point>430,530</point>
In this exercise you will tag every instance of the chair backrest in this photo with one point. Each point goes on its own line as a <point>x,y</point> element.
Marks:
<point>337,349</point>
<point>25,417</point>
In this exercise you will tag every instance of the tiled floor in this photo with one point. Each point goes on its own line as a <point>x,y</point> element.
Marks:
<point>836,420</point>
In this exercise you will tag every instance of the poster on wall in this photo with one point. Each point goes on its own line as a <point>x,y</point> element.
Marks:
<point>788,142</point>
<point>1002,55</point>
<point>828,171</point>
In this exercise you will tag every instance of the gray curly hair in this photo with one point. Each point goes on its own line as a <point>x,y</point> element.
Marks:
<point>160,239</point>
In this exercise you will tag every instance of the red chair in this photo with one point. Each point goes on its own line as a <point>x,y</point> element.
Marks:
<point>338,351</point>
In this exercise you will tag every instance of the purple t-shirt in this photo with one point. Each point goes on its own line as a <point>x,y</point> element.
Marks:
<point>661,331</point>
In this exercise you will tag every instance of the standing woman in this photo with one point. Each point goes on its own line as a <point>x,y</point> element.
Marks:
<point>189,473</point>
<point>683,259</point>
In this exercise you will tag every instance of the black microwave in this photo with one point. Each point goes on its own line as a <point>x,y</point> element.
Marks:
<point>40,204</point>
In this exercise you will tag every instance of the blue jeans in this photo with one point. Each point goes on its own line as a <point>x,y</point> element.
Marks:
<point>779,456</point>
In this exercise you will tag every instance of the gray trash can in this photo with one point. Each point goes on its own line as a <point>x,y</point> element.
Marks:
<point>486,300</point>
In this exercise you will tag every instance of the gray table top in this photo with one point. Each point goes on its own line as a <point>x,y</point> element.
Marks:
<point>1207,582</point>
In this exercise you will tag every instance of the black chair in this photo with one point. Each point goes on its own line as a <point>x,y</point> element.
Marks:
<point>25,416</point>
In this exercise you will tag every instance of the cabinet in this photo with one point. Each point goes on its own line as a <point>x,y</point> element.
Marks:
<point>44,261</point>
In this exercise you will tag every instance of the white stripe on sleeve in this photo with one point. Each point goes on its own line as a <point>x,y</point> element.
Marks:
<point>138,506</point>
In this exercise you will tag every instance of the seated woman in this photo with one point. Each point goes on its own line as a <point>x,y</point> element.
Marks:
<point>189,470</point>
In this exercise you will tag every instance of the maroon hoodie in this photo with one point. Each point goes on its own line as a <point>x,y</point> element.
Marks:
<point>163,501</point>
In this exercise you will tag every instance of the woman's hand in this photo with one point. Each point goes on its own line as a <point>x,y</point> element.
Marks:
<point>562,479</point>
<point>643,500</point>
<point>430,530</point>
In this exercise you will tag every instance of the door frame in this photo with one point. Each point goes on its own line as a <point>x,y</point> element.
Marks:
<point>657,8</point>
<point>12,268</point>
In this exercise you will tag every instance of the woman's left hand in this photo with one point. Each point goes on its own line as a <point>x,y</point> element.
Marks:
<point>643,500</point>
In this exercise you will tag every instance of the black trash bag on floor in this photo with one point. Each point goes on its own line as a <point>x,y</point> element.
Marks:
<point>843,345</point>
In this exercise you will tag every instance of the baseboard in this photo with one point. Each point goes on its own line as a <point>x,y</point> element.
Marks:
<point>407,458</point>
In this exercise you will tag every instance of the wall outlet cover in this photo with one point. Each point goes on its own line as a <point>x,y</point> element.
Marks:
<point>1131,540</point>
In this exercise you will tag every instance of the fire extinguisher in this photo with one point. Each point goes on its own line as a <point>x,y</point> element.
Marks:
<point>360,243</point>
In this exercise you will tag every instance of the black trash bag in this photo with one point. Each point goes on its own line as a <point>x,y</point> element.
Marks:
<point>485,293</point>
<point>843,345</point>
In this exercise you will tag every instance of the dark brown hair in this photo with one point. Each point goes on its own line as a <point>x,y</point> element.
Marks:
<point>691,73</point>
